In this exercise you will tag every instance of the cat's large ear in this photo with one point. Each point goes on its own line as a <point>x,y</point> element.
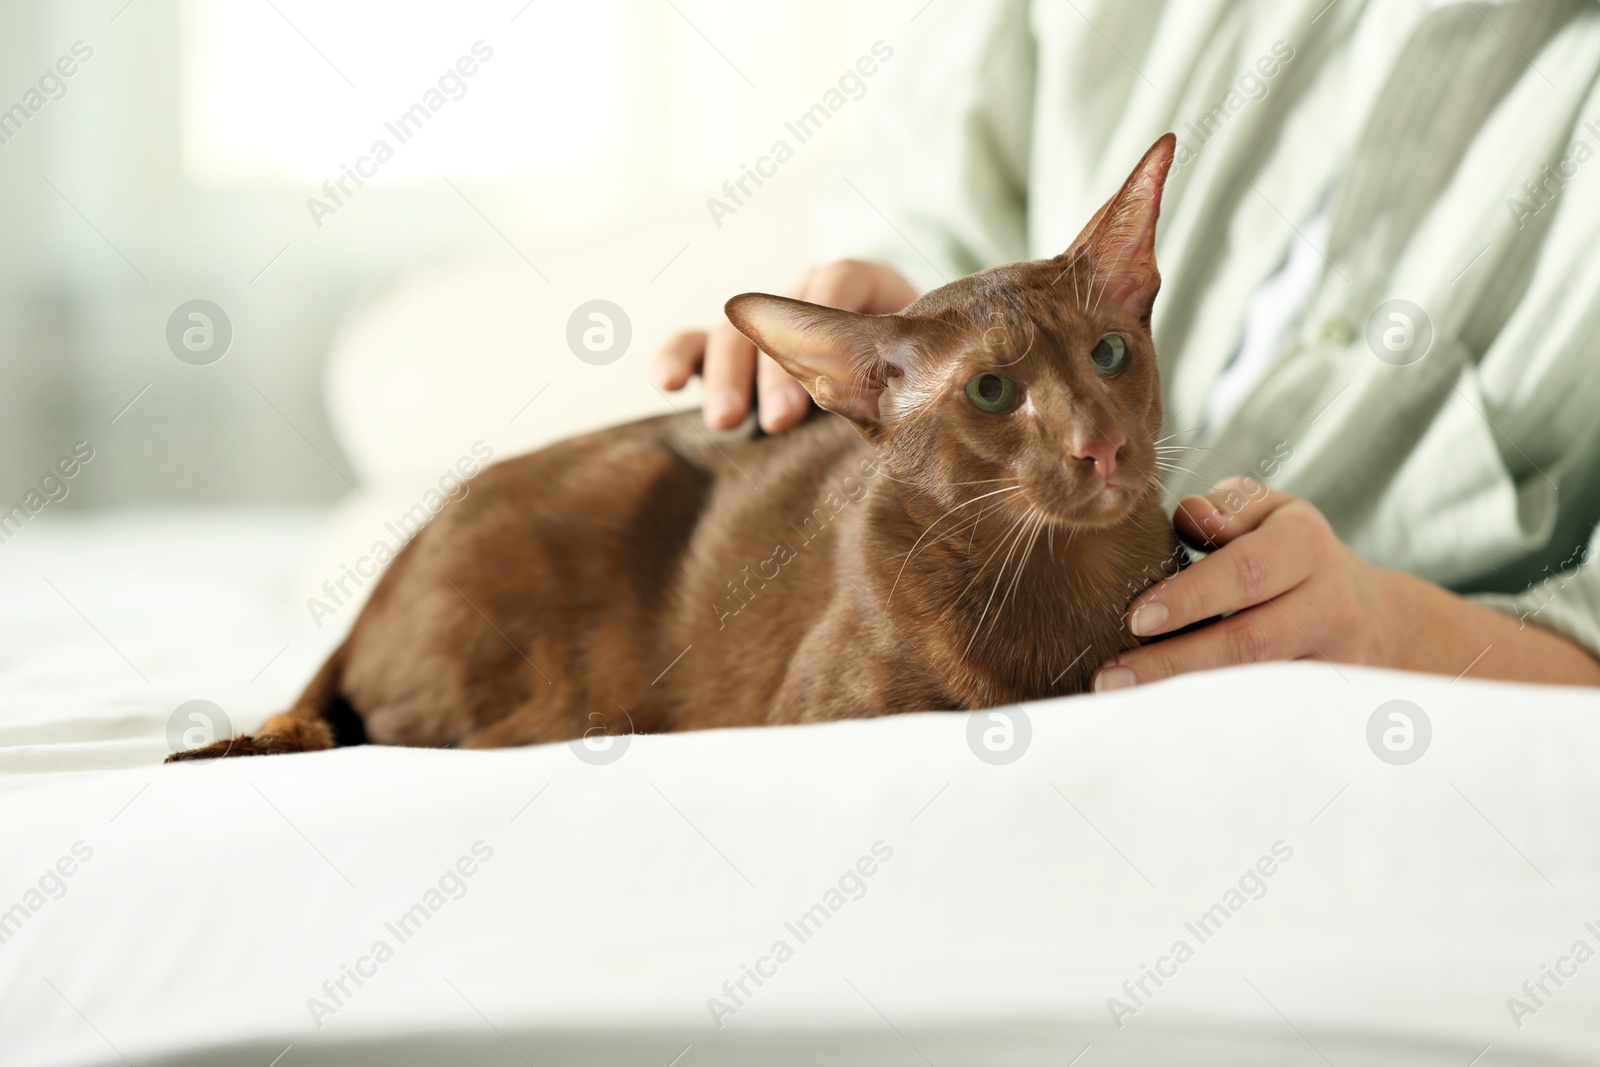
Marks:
<point>844,359</point>
<point>1119,244</point>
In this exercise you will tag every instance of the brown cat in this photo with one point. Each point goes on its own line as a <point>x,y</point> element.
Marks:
<point>966,530</point>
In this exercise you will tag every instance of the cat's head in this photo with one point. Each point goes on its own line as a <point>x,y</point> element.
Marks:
<point>1040,374</point>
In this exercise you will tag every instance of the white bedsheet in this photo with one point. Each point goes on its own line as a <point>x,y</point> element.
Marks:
<point>217,899</point>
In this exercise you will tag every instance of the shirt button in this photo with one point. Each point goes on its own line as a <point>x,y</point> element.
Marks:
<point>1336,332</point>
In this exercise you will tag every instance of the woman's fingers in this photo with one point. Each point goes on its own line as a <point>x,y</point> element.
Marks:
<point>856,286</point>
<point>732,367</point>
<point>1265,632</point>
<point>678,359</point>
<point>853,285</point>
<point>1235,507</point>
<point>836,285</point>
<point>1279,582</point>
<point>781,401</point>
<point>730,373</point>
<point>1251,568</point>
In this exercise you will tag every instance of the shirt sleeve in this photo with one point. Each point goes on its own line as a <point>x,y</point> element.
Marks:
<point>1567,602</point>
<point>1541,402</point>
<point>938,184</point>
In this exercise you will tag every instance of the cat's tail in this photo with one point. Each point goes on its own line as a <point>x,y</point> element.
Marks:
<point>322,718</point>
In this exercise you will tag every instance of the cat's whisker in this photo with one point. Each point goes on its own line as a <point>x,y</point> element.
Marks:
<point>1104,286</point>
<point>1175,469</point>
<point>968,527</point>
<point>1180,433</point>
<point>1137,468</point>
<point>1159,484</point>
<point>977,523</point>
<point>1072,269</point>
<point>1040,519</point>
<point>982,481</point>
<point>936,522</point>
<point>956,531</point>
<point>881,473</point>
<point>1013,539</point>
<point>1201,458</point>
<point>951,538</point>
<point>1169,465</point>
<point>1000,543</point>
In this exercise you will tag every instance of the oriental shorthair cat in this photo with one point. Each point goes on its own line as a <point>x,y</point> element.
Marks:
<point>963,527</point>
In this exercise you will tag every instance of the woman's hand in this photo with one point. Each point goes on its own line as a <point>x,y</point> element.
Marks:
<point>731,364</point>
<point>1295,591</point>
<point>1292,590</point>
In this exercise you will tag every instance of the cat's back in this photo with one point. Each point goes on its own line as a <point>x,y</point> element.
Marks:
<point>657,474</point>
<point>631,515</point>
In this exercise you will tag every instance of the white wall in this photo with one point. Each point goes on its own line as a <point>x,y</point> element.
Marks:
<point>188,145</point>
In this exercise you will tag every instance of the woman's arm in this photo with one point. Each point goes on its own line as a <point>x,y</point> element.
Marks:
<point>1297,592</point>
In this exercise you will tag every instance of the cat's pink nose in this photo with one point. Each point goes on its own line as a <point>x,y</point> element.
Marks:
<point>1101,452</point>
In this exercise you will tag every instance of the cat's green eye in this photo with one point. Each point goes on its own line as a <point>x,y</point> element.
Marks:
<point>1109,356</point>
<point>992,392</point>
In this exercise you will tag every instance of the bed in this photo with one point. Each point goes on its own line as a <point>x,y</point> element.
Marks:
<point>945,888</point>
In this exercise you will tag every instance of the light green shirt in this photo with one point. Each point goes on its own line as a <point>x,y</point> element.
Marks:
<point>1450,147</point>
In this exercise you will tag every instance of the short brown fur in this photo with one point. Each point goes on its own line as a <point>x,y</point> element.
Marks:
<point>911,552</point>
